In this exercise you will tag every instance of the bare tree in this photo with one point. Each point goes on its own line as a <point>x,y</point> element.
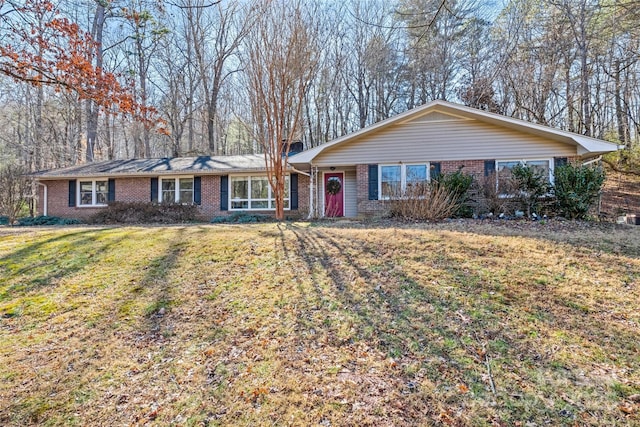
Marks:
<point>15,189</point>
<point>281,59</point>
<point>216,31</point>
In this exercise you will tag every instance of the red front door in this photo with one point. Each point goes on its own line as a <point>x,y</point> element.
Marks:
<point>334,194</point>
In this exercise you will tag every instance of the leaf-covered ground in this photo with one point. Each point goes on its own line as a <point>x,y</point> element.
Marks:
<point>333,324</point>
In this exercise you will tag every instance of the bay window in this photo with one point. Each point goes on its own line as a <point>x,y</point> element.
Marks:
<point>253,192</point>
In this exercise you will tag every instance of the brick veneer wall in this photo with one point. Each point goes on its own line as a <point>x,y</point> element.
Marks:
<point>139,190</point>
<point>369,208</point>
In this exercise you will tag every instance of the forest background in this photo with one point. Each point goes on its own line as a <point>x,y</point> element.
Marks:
<point>86,80</point>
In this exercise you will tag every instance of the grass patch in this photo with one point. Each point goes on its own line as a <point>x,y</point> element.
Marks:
<point>448,324</point>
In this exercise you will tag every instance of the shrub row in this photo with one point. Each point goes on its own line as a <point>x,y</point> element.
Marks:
<point>46,220</point>
<point>141,212</point>
<point>575,191</point>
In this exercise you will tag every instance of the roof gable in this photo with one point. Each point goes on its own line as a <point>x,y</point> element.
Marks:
<point>435,116</point>
<point>443,111</point>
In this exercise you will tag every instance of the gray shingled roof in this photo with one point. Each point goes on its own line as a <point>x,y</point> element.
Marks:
<point>165,166</point>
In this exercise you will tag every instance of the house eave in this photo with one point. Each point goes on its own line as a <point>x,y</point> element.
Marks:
<point>584,145</point>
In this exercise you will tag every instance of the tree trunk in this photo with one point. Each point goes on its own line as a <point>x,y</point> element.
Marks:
<point>92,109</point>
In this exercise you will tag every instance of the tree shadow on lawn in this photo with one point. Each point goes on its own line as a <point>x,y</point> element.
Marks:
<point>438,326</point>
<point>591,236</point>
<point>42,263</point>
<point>79,365</point>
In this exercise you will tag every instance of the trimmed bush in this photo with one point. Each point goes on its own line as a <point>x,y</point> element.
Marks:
<point>4,220</point>
<point>241,218</point>
<point>458,185</point>
<point>577,188</point>
<point>144,212</point>
<point>47,220</point>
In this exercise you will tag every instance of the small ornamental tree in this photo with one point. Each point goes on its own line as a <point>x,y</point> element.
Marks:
<point>532,183</point>
<point>282,55</point>
<point>577,188</point>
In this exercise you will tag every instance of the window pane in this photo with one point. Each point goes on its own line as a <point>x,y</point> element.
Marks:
<point>86,192</point>
<point>186,190</point>
<point>168,190</point>
<point>261,204</point>
<point>505,177</point>
<point>186,196</point>
<point>168,185</point>
<point>416,173</point>
<point>541,165</point>
<point>286,204</point>
<point>239,188</point>
<point>102,192</point>
<point>286,188</point>
<point>186,184</point>
<point>235,204</point>
<point>390,180</point>
<point>259,188</point>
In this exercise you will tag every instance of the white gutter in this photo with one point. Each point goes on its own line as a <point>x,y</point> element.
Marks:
<point>299,171</point>
<point>597,159</point>
<point>46,199</point>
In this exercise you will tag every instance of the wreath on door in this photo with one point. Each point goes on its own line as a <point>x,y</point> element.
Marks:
<point>333,186</point>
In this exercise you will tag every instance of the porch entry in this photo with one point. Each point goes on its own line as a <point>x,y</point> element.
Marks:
<point>333,194</point>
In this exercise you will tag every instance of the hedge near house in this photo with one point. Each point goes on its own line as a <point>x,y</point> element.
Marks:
<point>577,189</point>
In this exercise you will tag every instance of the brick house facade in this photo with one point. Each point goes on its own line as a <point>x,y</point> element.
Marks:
<point>59,191</point>
<point>436,138</point>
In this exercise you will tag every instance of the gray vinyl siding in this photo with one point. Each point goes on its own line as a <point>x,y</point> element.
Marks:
<point>350,194</point>
<point>435,117</point>
<point>443,140</point>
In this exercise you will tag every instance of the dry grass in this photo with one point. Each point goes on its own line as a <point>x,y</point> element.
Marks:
<point>320,325</point>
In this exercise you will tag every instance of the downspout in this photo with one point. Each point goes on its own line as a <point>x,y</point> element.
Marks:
<point>597,159</point>
<point>310,188</point>
<point>311,196</point>
<point>45,199</point>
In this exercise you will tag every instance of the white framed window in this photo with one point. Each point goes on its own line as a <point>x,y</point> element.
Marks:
<point>93,192</point>
<point>504,170</point>
<point>396,179</point>
<point>253,192</point>
<point>176,190</point>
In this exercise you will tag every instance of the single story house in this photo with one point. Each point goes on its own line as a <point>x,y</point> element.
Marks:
<point>350,176</point>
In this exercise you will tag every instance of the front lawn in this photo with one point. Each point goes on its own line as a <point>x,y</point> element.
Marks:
<point>324,324</point>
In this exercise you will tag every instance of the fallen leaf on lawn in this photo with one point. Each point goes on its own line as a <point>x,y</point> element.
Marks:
<point>462,388</point>
<point>627,408</point>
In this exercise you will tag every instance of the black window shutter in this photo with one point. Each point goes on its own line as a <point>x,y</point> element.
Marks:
<point>111,196</point>
<point>435,170</point>
<point>72,193</point>
<point>559,161</point>
<point>154,189</point>
<point>197,190</point>
<point>489,167</point>
<point>224,193</point>
<point>373,182</point>
<point>293,191</point>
